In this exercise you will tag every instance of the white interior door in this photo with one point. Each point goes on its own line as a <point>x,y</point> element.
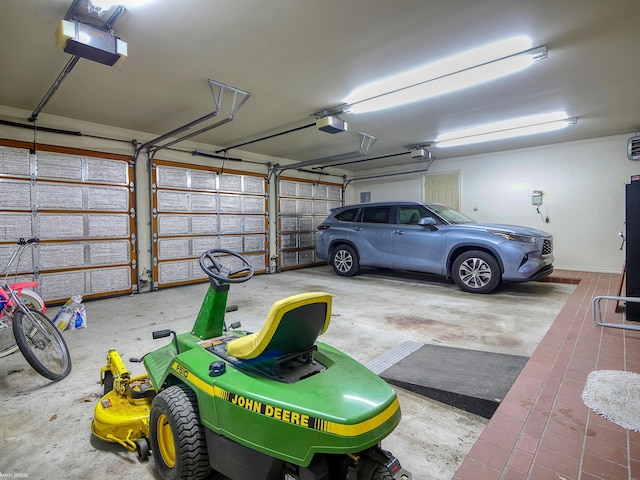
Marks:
<point>443,188</point>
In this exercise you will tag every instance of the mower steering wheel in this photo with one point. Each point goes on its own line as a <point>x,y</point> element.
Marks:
<point>214,269</point>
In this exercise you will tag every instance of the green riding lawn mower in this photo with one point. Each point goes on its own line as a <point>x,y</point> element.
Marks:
<point>276,404</point>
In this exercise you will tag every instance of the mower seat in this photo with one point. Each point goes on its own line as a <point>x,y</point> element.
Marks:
<point>293,325</point>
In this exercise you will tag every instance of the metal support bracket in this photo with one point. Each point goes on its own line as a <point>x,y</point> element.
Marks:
<point>597,311</point>
<point>238,99</point>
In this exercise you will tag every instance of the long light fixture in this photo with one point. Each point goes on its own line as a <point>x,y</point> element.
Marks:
<point>515,127</point>
<point>464,70</point>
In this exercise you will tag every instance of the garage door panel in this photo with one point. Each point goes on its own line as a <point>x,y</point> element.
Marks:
<point>61,255</point>
<point>59,197</point>
<point>172,201</point>
<point>172,177</point>
<point>180,272</point>
<point>253,224</point>
<point>172,248</point>
<point>14,226</point>
<point>62,285</point>
<point>203,202</point>
<point>59,166</point>
<point>109,253</point>
<point>26,261</point>
<point>60,226</point>
<point>253,185</point>
<point>302,206</point>
<point>14,162</point>
<point>109,279</point>
<point>173,272</point>
<point>231,183</point>
<point>15,195</point>
<point>107,198</point>
<point>105,171</point>
<point>226,210</point>
<point>202,244</point>
<point>79,204</point>
<point>204,224</point>
<point>202,180</point>
<point>108,225</point>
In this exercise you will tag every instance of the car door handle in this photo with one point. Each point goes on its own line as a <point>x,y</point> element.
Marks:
<point>357,229</point>
<point>399,232</point>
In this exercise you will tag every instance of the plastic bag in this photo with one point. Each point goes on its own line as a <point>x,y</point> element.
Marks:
<point>79,318</point>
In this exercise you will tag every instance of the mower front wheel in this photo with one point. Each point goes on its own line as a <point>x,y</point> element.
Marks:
<point>177,436</point>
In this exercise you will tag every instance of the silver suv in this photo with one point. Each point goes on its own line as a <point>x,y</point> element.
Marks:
<point>433,238</point>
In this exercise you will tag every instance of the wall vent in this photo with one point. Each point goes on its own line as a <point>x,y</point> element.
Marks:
<point>633,148</point>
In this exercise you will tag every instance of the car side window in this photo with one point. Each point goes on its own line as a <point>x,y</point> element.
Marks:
<point>348,215</point>
<point>410,215</point>
<point>376,214</point>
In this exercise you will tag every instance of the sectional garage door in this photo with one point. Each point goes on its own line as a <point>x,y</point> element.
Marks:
<point>198,208</point>
<point>80,204</point>
<point>302,206</point>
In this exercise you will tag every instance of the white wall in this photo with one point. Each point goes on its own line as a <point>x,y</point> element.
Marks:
<point>584,196</point>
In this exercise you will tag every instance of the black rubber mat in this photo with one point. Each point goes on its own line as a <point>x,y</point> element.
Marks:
<point>471,380</point>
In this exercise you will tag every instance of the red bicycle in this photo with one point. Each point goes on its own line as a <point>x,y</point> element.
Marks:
<point>32,332</point>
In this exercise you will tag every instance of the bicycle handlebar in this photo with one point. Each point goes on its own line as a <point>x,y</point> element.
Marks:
<point>22,241</point>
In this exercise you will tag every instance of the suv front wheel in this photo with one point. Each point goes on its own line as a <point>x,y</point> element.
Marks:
<point>344,261</point>
<point>476,272</point>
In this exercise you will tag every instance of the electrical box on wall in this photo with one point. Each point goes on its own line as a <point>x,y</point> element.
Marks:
<point>536,198</point>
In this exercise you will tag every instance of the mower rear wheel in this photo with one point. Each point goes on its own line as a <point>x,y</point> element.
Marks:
<point>177,436</point>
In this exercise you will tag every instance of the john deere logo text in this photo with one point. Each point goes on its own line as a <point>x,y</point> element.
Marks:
<point>272,412</point>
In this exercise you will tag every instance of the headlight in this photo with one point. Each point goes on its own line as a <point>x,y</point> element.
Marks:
<point>515,237</point>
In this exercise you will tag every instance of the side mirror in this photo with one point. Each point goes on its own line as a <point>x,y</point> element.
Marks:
<point>428,222</point>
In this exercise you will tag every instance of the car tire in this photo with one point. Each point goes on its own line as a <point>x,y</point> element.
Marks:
<point>476,271</point>
<point>345,261</point>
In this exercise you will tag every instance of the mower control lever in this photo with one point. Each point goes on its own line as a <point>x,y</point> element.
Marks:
<point>165,333</point>
<point>161,334</point>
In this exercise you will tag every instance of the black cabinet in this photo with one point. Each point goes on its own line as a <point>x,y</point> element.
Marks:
<point>633,248</point>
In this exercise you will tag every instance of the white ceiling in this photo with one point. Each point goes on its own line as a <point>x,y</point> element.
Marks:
<point>297,57</point>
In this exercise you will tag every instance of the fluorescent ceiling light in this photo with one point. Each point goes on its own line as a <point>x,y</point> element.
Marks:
<point>515,127</point>
<point>105,5</point>
<point>464,70</point>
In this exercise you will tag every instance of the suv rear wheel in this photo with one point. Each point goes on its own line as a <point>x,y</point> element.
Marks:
<point>345,261</point>
<point>476,271</point>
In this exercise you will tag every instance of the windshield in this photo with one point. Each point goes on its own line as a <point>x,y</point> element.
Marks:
<point>449,214</point>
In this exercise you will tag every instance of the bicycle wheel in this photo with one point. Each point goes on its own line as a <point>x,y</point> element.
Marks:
<point>42,344</point>
<point>8,343</point>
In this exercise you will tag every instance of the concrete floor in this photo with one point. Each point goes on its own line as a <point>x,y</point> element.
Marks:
<point>45,427</point>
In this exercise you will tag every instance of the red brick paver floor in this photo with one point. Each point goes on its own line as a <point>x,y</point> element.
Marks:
<point>542,429</point>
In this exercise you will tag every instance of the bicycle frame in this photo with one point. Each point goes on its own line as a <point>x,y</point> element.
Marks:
<point>10,293</point>
<point>18,287</point>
